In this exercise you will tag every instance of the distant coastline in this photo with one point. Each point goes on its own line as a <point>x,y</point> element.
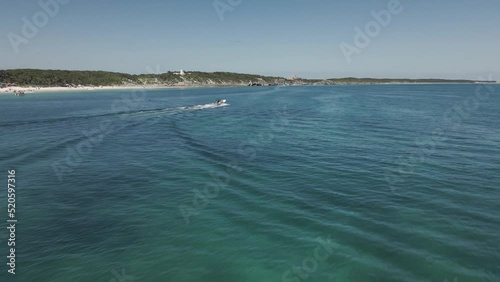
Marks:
<point>48,89</point>
<point>24,81</point>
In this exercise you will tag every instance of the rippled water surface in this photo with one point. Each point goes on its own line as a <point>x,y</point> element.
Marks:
<point>342,183</point>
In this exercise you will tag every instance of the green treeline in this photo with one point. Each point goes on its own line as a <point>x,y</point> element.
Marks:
<point>62,77</point>
<point>353,80</point>
<point>36,77</point>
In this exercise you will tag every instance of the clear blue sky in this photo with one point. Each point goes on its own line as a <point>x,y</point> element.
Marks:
<point>445,39</point>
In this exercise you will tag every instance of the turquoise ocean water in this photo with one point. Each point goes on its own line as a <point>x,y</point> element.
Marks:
<point>341,183</point>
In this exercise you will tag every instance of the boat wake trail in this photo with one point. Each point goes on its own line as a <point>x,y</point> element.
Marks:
<point>202,107</point>
<point>122,114</point>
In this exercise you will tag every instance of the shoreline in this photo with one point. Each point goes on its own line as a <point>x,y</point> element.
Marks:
<point>53,89</point>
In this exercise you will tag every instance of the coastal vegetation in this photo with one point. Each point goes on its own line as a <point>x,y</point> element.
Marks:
<point>37,77</point>
<point>353,80</point>
<point>67,78</point>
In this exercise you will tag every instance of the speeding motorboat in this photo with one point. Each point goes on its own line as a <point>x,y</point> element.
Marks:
<point>220,102</point>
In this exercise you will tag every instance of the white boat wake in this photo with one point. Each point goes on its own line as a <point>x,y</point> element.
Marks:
<point>157,113</point>
<point>205,106</point>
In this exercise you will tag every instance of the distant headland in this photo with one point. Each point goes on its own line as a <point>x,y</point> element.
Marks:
<point>20,81</point>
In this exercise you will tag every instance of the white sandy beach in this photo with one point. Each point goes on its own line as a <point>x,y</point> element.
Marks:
<point>30,90</point>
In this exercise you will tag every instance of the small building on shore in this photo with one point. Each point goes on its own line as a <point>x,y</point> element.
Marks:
<point>180,73</point>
